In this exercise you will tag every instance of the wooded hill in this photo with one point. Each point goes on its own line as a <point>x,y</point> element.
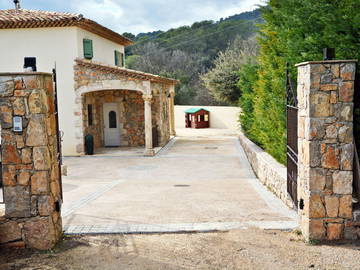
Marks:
<point>191,48</point>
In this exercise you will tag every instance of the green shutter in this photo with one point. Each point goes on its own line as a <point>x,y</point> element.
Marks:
<point>88,49</point>
<point>119,59</point>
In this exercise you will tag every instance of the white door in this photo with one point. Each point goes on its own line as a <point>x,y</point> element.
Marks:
<point>111,121</point>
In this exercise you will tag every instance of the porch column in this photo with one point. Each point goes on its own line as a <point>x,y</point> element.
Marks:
<point>149,151</point>
<point>172,112</point>
<point>326,147</point>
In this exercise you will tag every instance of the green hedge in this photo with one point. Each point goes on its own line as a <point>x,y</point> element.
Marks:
<point>294,31</point>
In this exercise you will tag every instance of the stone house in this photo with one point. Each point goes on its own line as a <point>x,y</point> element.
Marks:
<point>96,93</point>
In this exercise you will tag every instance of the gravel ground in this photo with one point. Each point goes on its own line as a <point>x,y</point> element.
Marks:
<point>241,249</point>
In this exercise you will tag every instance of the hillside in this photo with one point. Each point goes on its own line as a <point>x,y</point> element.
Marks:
<point>198,45</point>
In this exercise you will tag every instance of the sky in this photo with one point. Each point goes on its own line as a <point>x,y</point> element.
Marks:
<point>136,16</point>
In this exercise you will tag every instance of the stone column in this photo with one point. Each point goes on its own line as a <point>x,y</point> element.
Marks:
<point>172,112</point>
<point>326,147</point>
<point>149,151</point>
<point>29,162</point>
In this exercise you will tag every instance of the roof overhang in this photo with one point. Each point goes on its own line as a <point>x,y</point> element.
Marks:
<point>126,72</point>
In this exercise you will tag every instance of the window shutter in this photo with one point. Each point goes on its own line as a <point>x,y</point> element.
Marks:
<point>116,58</point>
<point>122,59</point>
<point>88,48</point>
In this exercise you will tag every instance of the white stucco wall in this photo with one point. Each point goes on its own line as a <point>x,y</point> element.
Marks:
<point>103,49</point>
<point>59,45</point>
<point>221,117</point>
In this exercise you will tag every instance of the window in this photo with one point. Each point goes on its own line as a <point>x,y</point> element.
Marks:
<point>90,114</point>
<point>206,118</point>
<point>202,118</point>
<point>112,119</point>
<point>119,59</point>
<point>199,118</point>
<point>88,48</point>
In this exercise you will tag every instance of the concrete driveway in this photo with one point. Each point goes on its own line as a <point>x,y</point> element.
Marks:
<point>196,183</point>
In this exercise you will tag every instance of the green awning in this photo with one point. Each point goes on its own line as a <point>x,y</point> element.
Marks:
<point>195,110</point>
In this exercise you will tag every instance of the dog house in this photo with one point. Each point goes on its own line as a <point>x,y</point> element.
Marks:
<point>197,118</point>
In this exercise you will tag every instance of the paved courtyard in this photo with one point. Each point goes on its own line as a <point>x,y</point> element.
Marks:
<point>198,182</point>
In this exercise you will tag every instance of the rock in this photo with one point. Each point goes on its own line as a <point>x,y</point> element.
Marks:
<point>316,229</point>
<point>347,72</point>
<point>332,206</point>
<point>7,88</point>
<point>10,154</point>
<point>36,132</point>
<point>9,175</point>
<point>41,157</point>
<point>17,201</point>
<point>346,134</point>
<point>346,92</point>
<point>347,157</point>
<point>26,156</point>
<point>45,205</point>
<point>6,114</point>
<point>19,106</point>
<point>334,231</point>
<point>317,179</point>
<point>346,112</point>
<point>330,158</point>
<point>329,87</point>
<point>38,102</point>
<point>331,132</point>
<point>19,141</point>
<point>9,232</point>
<point>342,182</point>
<point>40,183</point>
<point>345,207</point>
<point>23,178</point>
<point>333,97</point>
<point>320,105</point>
<point>316,207</point>
<point>40,233</point>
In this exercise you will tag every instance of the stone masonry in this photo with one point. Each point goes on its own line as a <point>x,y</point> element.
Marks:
<point>29,162</point>
<point>326,147</point>
<point>157,93</point>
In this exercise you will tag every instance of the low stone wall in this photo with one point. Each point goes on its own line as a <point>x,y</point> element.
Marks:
<point>267,169</point>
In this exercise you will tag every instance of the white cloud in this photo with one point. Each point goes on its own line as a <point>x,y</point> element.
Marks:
<point>143,15</point>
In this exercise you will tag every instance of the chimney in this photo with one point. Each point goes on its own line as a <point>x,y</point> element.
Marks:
<point>17,4</point>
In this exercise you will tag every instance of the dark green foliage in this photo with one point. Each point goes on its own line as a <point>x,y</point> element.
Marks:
<point>295,31</point>
<point>200,42</point>
<point>248,77</point>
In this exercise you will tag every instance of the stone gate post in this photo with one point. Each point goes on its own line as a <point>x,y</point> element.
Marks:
<point>29,161</point>
<point>326,146</point>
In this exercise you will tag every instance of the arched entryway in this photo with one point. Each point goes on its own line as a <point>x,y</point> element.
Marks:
<point>114,118</point>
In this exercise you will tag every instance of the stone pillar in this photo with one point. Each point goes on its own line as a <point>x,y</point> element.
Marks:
<point>172,112</point>
<point>149,151</point>
<point>29,162</point>
<point>326,147</point>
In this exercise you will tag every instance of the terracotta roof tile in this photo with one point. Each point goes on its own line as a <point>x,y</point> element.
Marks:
<point>126,72</point>
<point>24,18</point>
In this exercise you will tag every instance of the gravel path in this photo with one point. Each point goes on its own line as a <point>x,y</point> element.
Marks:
<point>242,249</point>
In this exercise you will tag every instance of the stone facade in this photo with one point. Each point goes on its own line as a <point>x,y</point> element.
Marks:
<point>131,116</point>
<point>29,162</point>
<point>326,148</point>
<point>270,172</point>
<point>92,79</point>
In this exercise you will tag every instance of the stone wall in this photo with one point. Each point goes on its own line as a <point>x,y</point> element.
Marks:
<point>131,116</point>
<point>326,148</point>
<point>29,162</point>
<point>271,173</point>
<point>91,78</point>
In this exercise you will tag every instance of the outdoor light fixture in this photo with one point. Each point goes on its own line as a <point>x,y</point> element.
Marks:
<point>30,64</point>
<point>329,53</point>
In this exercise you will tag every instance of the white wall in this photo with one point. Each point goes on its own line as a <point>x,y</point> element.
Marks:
<point>49,45</point>
<point>220,117</point>
<point>103,49</point>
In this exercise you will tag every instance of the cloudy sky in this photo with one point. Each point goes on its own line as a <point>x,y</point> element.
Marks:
<point>142,15</point>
